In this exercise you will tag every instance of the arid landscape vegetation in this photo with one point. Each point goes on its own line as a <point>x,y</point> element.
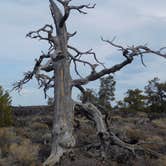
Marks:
<point>94,129</point>
<point>28,141</point>
<point>25,137</point>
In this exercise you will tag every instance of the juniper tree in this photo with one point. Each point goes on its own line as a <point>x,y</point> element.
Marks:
<point>89,96</point>
<point>134,100</point>
<point>106,91</point>
<point>59,57</point>
<point>156,95</point>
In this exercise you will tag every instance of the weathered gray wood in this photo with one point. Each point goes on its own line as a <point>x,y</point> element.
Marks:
<point>63,139</point>
<point>59,60</point>
<point>95,115</point>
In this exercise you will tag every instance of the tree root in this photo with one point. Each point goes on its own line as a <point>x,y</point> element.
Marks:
<point>132,148</point>
<point>54,157</point>
<point>107,137</point>
<point>61,147</point>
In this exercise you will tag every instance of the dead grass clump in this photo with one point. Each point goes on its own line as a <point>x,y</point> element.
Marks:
<point>5,162</point>
<point>162,161</point>
<point>134,134</point>
<point>6,132</point>
<point>38,126</point>
<point>7,135</point>
<point>154,138</point>
<point>116,120</point>
<point>161,123</point>
<point>25,153</point>
<point>23,131</point>
<point>153,142</point>
<point>142,114</point>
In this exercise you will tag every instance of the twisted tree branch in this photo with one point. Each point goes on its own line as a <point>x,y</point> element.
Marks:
<point>77,58</point>
<point>68,8</point>
<point>128,52</point>
<point>48,30</point>
<point>43,80</point>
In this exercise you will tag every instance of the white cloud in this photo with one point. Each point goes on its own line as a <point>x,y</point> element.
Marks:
<point>137,21</point>
<point>28,96</point>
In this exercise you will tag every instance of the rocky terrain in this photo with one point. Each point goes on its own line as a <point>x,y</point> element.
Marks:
<point>28,142</point>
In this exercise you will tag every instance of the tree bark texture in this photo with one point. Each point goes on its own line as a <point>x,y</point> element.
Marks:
<point>63,139</point>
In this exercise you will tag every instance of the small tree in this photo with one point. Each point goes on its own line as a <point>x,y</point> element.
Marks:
<point>89,96</point>
<point>156,95</point>
<point>134,100</point>
<point>106,92</point>
<point>120,106</point>
<point>104,96</point>
<point>5,108</point>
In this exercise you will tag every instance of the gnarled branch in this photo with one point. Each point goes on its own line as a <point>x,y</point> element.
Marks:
<point>95,76</point>
<point>107,137</point>
<point>39,34</point>
<point>77,58</point>
<point>128,52</point>
<point>43,80</point>
<point>132,51</point>
<point>68,8</point>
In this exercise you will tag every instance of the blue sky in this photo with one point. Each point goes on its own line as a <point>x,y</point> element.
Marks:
<point>132,22</point>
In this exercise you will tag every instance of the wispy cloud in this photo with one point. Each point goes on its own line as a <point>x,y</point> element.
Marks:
<point>133,22</point>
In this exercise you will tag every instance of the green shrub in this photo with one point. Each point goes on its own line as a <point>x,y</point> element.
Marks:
<point>5,108</point>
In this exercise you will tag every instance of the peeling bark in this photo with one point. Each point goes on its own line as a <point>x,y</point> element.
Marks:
<point>63,138</point>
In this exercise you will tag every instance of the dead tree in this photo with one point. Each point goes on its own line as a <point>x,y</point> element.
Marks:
<point>57,61</point>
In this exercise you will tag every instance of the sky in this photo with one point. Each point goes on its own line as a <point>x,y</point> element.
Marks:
<point>132,22</point>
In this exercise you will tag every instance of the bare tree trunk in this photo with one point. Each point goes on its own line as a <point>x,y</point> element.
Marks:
<point>63,139</point>
<point>60,55</point>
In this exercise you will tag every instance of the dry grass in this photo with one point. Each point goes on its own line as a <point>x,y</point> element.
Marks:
<point>142,114</point>
<point>116,118</point>
<point>6,137</point>
<point>38,126</point>
<point>153,142</point>
<point>161,123</point>
<point>24,153</point>
<point>154,138</point>
<point>162,161</point>
<point>13,150</point>
<point>23,132</point>
<point>6,132</point>
<point>134,134</point>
